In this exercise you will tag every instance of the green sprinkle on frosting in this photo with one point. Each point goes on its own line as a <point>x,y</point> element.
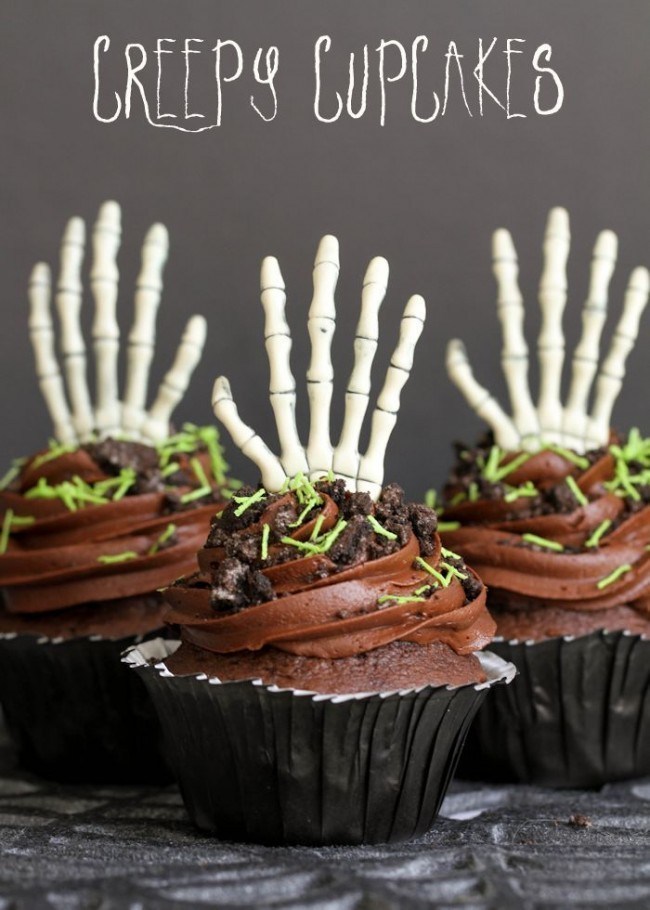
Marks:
<point>577,492</point>
<point>602,528</point>
<point>423,564</point>
<point>448,526</point>
<point>543,542</point>
<point>380,529</point>
<point>305,545</point>
<point>449,554</point>
<point>9,522</point>
<point>193,495</point>
<point>162,540</point>
<point>199,471</point>
<point>318,524</point>
<point>613,576</point>
<point>578,460</point>
<point>246,502</point>
<point>190,440</point>
<point>12,473</point>
<point>494,470</point>
<point>117,557</point>
<point>528,489</point>
<point>56,450</point>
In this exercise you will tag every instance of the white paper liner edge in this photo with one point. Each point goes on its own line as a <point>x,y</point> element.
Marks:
<point>158,649</point>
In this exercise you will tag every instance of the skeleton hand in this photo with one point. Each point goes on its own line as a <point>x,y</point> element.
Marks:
<point>78,421</point>
<point>531,426</point>
<point>364,473</point>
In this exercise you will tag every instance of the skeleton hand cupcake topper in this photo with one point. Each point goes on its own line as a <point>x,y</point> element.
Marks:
<point>319,457</point>
<point>77,421</point>
<point>531,426</point>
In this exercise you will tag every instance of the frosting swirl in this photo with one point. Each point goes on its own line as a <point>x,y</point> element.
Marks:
<point>553,529</point>
<point>106,521</point>
<point>331,576</point>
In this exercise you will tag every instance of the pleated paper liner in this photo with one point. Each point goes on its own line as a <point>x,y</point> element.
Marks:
<point>578,714</point>
<point>264,765</point>
<point>75,712</point>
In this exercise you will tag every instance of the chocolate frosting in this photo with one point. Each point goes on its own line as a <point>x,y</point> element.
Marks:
<point>318,607</point>
<point>524,575</point>
<point>58,561</point>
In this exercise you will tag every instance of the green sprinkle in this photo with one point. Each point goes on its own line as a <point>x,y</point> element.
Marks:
<point>304,489</point>
<point>452,572</point>
<point>494,471</point>
<point>317,526</point>
<point>427,568</point>
<point>246,501</point>
<point>430,498</point>
<point>127,480</point>
<point>457,498</point>
<point>197,467</point>
<point>19,520</point>
<point>527,489</point>
<point>56,449</point>
<point>577,492</point>
<point>331,537</point>
<point>449,554</point>
<point>190,440</point>
<point>118,557</point>
<point>264,552</point>
<point>170,469</point>
<point>199,493</point>
<point>12,473</point>
<point>594,540</point>
<point>543,542</point>
<point>511,466</point>
<point>494,458</point>
<point>472,491</point>
<point>573,457</point>
<point>312,504</point>
<point>6,530</point>
<point>448,526</point>
<point>379,529</point>
<point>423,588</point>
<point>301,545</point>
<point>164,537</point>
<point>613,576</point>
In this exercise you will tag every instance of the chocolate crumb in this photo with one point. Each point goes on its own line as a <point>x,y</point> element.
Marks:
<point>579,821</point>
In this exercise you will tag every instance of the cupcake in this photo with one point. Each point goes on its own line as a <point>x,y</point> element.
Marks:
<point>551,509</point>
<point>94,524</point>
<point>330,656</point>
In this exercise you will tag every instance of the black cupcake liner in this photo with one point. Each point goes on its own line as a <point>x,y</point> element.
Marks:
<point>75,712</point>
<point>260,764</point>
<point>578,714</point>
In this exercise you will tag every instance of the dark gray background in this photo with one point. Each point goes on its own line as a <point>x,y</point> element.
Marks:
<point>425,196</point>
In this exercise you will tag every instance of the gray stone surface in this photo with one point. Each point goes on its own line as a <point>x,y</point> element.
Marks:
<point>497,847</point>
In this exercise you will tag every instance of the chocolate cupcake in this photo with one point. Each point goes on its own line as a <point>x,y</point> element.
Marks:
<point>95,524</point>
<point>552,512</point>
<point>329,663</point>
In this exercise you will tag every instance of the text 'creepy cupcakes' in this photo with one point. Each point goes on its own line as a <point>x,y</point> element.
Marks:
<point>331,658</point>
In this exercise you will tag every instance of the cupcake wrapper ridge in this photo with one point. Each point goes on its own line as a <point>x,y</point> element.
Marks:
<point>75,714</point>
<point>576,716</point>
<point>260,764</point>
